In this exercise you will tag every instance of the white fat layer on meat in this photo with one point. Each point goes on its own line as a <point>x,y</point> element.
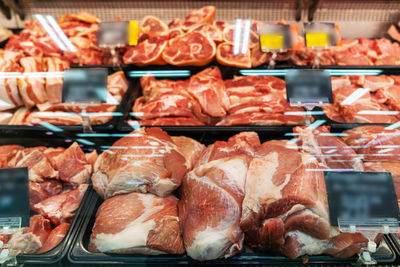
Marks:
<point>164,187</point>
<point>259,184</point>
<point>209,244</point>
<point>294,209</point>
<point>309,245</point>
<point>134,234</point>
<point>170,101</point>
<point>235,169</point>
<point>213,243</point>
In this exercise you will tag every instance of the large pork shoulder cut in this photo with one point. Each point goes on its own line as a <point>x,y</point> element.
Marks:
<point>146,160</point>
<point>285,208</point>
<point>137,223</point>
<point>211,199</point>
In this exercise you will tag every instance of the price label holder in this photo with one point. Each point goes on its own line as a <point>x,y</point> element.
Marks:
<point>308,88</point>
<point>274,39</point>
<point>112,35</point>
<point>14,206</point>
<point>84,87</point>
<point>363,202</point>
<point>320,36</point>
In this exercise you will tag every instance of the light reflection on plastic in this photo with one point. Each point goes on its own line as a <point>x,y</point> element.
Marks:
<point>159,73</point>
<point>85,142</point>
<point>393,126</point>
<point>377,112</point>
<point>45,24</point>
<point>316,124</point>
<point>50,126</point>
<point>236,36</point>
<point>108,134</point>
<point>330,170</point>
<point>134,124</point>
<point>295,113</point>
<point>258,72</point>
<point>246,36</point>
<point>94,114</point>
<point>357,94</point>
<point>60,33</point>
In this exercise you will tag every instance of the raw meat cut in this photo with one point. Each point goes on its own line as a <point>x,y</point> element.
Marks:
<point>40,191</point>
<point>147,52</point>
<point>202,15</point>
<point>339,82</point>
<point>190,49</point>
<point>31,239</point>
<point>147,160</point>
<point>34,158</point>
<point>285,206</point>
<point>211,198</point>
<point>117,85</point>
<point>225,56</point>
<point>72,165</point>
<point>190,148</point>
<point>394,32</point>
<point>390,96</point>
<point>54,238</point>
<point>170,121</point>
<point>32,89</point>
<point>208,88</point>
<point>374,143</point>
<point>229,36</point>
<point>61,208</point>
<point>363,109</point>
<point>54,85</point>
<point>208,30</point>
<point>137,223</point>
<point>153,26</point>
<point>7,152</point>
<point>330,150</point>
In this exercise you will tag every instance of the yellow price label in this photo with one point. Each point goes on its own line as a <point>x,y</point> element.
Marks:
<point>271,41</point>
<point>317,39</point>
<point>133,32</point>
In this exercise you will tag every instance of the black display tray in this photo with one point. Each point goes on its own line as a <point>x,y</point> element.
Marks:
<point>59,252</point>
<point>111,124</point>
<point>79,253</point>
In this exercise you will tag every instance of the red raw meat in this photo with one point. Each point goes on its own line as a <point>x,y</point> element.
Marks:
<point>261,119</point>
<point>330,150</point>
<point>171,121</point>
<point>34,158</point>
<point>72,165</point>
<point>40,191</point>
<point>61,208</point>
<point>377,82</point>
<point>153,220</point>
<point>370,142</point>
<point>208,30</point>
<point>54,238</point>
<point>229,36</point>
<point>31,239</point>
<point>153,26</point>
<point>54,85</point>
<point>7,152</point>
<point>211,200</point>
<point>208,88</point>
<point>147,52</point>
<point>190,49</point>
<point>147,160</point>
<point>205,14</point>
<point>226,57</point>
<point>285,206</point>
<point>390,96</point>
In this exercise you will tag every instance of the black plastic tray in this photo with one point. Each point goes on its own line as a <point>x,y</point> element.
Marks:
<point>110,125</point>
<point>79,253</point>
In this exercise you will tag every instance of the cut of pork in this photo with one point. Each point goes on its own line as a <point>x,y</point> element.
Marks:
<point>330,150</point>
<point>146,160</point>
<point>137,223</point>
<point>205,14</point>
<point>190,49</point>
<point>153,26</point>
<point>285,206</point>
<point>211,199</point>
<point>374,143</point>
<point>208,30</point>
<point>147,52</point>
<point>54,85</point>
<point>225,56</point>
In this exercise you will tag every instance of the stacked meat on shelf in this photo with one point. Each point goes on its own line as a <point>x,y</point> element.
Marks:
<point>207,99</point>
<point>365,99</point>
<point>58,180</point>
<point>269,196</point>
<point>31,92</point>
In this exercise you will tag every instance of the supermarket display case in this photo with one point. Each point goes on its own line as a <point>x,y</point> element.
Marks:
<point>190,150</point>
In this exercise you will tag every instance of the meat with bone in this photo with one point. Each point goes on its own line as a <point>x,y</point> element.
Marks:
<point>211,199</point>
<point>147,52</point>
<point>226,56</point>
<point>208,30</point>
<point>153,26</point>
<point>285,206</point>
<point>190,49</point>
<point>147,160</point>
<point>374,143</point>
<point>205,14</point>
<point>61,208</point>
<point>137,223</point>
